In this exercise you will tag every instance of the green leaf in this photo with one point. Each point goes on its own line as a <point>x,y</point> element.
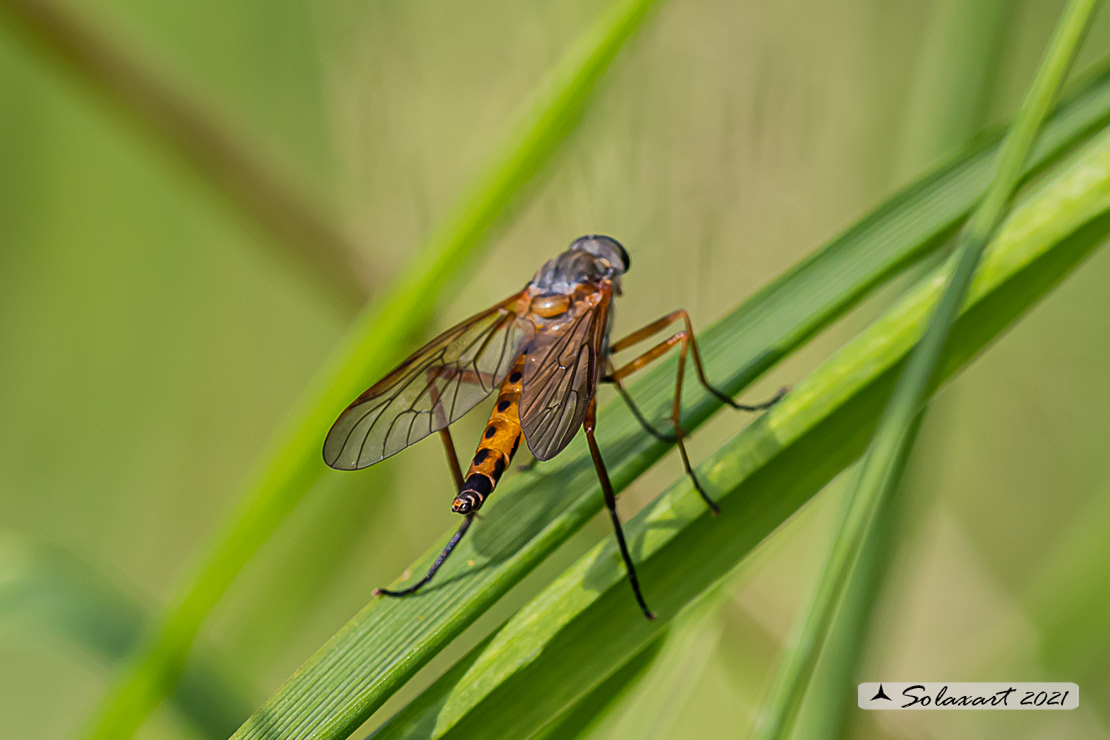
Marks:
<point>48,591</point>
<point>692,642</point>
<point>294,459</point>
<point>584,717</point>
<point>388,641</point>
<point>825,713</point>
<point>584,625</point>
<point>962,56</point>
<point>885,457</point>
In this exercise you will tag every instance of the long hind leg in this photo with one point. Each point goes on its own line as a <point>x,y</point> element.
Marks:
<point>611,504</point>
<point>457,477</point>
<point>676,406</point>
<point>636,413</point>
<point>659,325</point>
<point>686,341</point>
<point>456,470</point>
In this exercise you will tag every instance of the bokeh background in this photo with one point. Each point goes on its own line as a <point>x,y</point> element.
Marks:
<point>152,336</point>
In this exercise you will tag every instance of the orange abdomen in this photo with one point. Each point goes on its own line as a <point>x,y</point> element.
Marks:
<point>499,443</point>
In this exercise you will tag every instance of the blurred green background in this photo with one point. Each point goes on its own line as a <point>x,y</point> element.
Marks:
<point>153,336</point>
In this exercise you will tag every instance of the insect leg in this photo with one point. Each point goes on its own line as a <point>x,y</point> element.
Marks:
<point>641,334</point>
<point>434,373</point>
<point>435,566</point>
<point>761,406</point>
<point>611,504</point>
<point>681,338</point>
<point>456,474</point>
<point>680,315</point>
<point>627,398</point>
<point>452,457</point>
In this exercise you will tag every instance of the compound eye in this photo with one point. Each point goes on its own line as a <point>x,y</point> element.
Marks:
<point>624,255</point>
<point>598,245</point>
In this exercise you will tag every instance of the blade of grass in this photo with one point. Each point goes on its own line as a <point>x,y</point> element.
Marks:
<point>584,717</point>
<point>584,625</point>
<point>823,716</point>
<point>691,645</point>
<point>382,646</point>
<point>223,160</point>
<point>367,351</point>
<point>957,73</point>
<point>48,591</point>
<point>878,472</point>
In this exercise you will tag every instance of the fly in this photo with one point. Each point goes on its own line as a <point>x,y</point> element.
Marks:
<point>544,350</point>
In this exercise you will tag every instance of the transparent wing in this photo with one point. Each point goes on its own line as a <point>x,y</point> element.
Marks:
<point>561,371</point>
<point>431,389</point>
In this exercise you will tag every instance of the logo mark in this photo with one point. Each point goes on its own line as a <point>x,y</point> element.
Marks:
<point>898,695</point>
<point>880,694</point>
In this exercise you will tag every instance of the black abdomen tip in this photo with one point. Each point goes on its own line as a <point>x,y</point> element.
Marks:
<point>466,502</point>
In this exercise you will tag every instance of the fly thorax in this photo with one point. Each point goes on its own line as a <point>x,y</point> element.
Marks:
<point>567,271</point>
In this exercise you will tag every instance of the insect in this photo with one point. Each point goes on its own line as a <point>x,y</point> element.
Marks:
<point>544,349</point>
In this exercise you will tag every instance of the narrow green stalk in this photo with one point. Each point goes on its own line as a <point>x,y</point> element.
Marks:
<point>225,161</point>
<point>957,72</point>
<point>294,458</point>
<point>822,716</point>
<point>878,471</point>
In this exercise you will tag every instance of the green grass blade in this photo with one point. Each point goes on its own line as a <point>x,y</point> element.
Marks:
<point>824,714</point>
<point>387,642</point>
<point>224,160</point>
<point>694,639</point>
<point>47,591</point>
<point>367,352</point>
<point>583,718</point>
<point>585,625</point>
<point>879,469</point>
<point>957,69</point>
